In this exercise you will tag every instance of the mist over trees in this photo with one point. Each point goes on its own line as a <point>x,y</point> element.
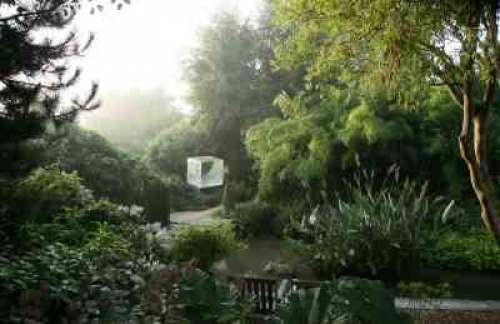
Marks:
<point>143,113</point>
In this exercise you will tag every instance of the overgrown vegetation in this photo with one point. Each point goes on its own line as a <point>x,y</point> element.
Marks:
<point>336,128</point>
<point>377,229</point>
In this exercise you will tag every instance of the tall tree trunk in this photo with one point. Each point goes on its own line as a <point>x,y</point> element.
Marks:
<point>231,151</point>
<point>473,150</point>
<point>473,144</point>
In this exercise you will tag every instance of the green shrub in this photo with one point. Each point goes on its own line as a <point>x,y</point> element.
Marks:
<point>167,153</point>
<point>459,251</point>
<point>347,300</point>
<point>182,294</point>
<point>110,173</point>
<point>207,301</point>
<point>291,155</point>
<point>71,258</point>
<point>205,244</point>
<point>253,219</point>
<point>75,226</point>
<point>47,192</point>
<point>106,245</point>
<point>376,229</point>
<point>99,279</point>
<point>39,283</point>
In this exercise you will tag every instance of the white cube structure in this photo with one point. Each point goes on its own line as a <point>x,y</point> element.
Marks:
<point>205,171</point>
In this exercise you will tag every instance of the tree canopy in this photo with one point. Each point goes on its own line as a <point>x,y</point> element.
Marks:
<point>407,46</point>
<point>227,76</point>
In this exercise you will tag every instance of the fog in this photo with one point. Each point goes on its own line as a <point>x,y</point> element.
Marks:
<point>131,119</point>
<point>143,45</point>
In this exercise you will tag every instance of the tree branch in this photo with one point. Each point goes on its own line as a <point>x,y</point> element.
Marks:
<point>25,14</point>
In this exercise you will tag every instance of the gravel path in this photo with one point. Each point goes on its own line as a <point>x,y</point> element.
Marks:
<point>194,217</point>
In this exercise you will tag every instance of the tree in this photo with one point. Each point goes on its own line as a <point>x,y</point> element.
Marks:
<point>226,86</point>
<point>167,155</point>
<point>168,152</point>
<point>34,70</point>
<point>470,75</point>
<point>407,45</point>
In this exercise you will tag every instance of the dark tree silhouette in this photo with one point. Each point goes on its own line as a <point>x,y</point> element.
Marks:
<point>34,69</point>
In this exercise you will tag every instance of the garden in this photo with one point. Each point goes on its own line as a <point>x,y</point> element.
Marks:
<point>358,148</point>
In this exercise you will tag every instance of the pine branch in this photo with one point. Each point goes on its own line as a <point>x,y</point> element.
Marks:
<point>25,14</point>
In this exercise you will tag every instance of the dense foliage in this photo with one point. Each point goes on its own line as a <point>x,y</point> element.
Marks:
<point>321,143</point>
<point>403,47</point>
<point>463,251</point>
<point>67,246</point>
<point>203,244</point>
<point>110,173</point>
<point>255,219</point>
<point>317,91</point>
<point>376,230</point>
<point>167,156</point>
<point>75,258</point>
<point>232,86</point>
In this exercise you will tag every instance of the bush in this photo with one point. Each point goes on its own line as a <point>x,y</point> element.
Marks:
<point>75,227</point>
<point>207,301</point>
<point>205,244</point>
<point>98,278</point>
<point>292,157</point>
<point>254,219</point>
<point>347,300</point>
<point>459,251</point>
<point>68,256</point>
<point>47,192</point>
<point>108,172</point>
<point>376,230</point>
<point>167,153</point>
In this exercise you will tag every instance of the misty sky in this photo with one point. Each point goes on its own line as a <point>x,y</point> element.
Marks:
<point>144,44</point>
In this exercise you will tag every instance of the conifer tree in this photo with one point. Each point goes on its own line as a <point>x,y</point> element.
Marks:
<point>35,50</point>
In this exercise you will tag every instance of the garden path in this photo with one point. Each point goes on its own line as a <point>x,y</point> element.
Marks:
<point>194,217</point>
